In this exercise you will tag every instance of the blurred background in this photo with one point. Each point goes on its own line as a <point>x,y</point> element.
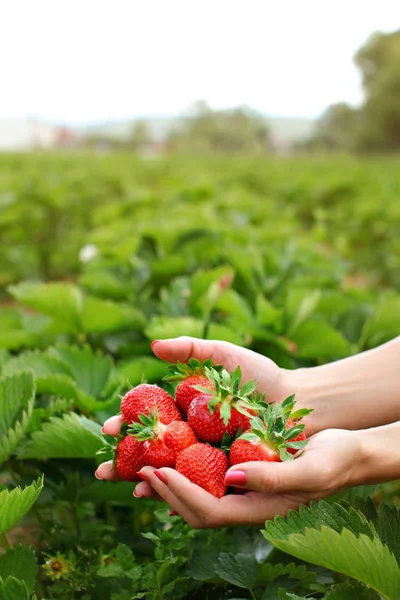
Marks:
<point>155,78</point>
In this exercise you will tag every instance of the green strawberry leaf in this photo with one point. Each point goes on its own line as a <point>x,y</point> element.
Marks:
<point>17,397</point>
<point>340,539</point>
<point>19,562</point>
<point>13,589</point>
<point>237,569</point>
<point>15,504</point>
<point>70,436</point>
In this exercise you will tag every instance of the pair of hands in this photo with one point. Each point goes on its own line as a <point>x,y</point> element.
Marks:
<point>326,466</point>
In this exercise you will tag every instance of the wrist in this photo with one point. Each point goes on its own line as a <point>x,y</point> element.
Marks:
<point>380,455</point>
<point>308,394</point>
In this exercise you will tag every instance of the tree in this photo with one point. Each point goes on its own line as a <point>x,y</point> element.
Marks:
<point>140,135</point>
<point>225,131</point>
<point>338,127</point>
<point>375,126</point>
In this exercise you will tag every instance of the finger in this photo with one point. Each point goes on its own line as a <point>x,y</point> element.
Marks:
<point>182,348</point>
<point>274,477</point>
<point>250,509</point>
<point>144,490</point>
<point>166,494</point>
<point>107,472</point>
<point>113,425</point>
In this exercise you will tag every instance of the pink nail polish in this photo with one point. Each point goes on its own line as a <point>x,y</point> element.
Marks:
<point>102,430</point>
<point>172,513</point>
<point>161,477</point>
<point>136,495</point>
<point>154,343</point>
<point>235,478</point>
<point>97,475</point>
<point>143,476</point>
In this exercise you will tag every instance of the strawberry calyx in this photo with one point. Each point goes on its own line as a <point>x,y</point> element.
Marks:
<point>227,393</point>
<point>271,428</point>
<point>149,428</point>
<point>181,371</point>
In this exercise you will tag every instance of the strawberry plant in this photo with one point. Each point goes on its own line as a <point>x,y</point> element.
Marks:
<point>100,255</point>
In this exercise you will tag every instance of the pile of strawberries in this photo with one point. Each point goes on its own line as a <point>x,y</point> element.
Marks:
<point>210,419</point>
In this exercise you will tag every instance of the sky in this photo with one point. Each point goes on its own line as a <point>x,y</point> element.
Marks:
<point>85,61</point>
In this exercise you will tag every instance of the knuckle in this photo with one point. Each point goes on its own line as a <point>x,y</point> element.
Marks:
<point>268,482</point>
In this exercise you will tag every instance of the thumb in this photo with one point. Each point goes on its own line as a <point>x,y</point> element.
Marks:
<point>273,477</point>
<point>183,348</point>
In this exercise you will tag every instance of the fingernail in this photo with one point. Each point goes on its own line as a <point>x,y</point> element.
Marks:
<point>143,476</point>
<point>172,513</point>
<point>136,495</point>
<point>235,478</point>
<point>154,343</point>
<point>102,430</point>
<point>161,477</point>
<point>97,475</point>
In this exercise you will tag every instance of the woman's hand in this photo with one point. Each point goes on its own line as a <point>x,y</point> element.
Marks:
<point>331,462</point>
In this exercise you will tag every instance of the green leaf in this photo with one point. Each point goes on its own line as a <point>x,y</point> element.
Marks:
<point>66,437</point>
<point>112,570</point>
<point>203,563</point>
<point>13,589</point>
<point>216,331</point>
<point>19,562</point>
<point>15,504</point>
<point>61,301</point>
<point>351,591</point>
<point>300,305</point>
<point>124,556</point>
<point>237,569</point>
<point>17,396</point>
<point>365,559</point>
<point>102,316</point>
<point>267,314</point>
<point>152,369</point>
<point>317,339</point>
<point>162,327</point>
<point>91,370</point>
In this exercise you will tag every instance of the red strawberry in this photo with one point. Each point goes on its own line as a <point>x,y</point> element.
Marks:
<point>300,438</point>
<point>162,443</point>
<point>273,436</point>
<point>205,466</point>
<point>185,392</point>
<point>189,375</point>
<point>211,427</point>
<point>216,413</point>
<point>145,398</point>
<point>128,458</point>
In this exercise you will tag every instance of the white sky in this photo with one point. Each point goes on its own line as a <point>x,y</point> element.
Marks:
<point>82,61</point>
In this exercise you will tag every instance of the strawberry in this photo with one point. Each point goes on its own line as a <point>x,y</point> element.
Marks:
<point>189,375</point>
<point>128,458</point>
<point>205,466</point>
<point>145,398</point>
<point>300,438</point>
<point>162,443</point>
<point>273,436</point>
<point>213,413</point>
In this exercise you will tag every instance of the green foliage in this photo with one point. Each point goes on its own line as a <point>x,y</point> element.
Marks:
<point>17,395</point>
<point>16,503</point>
<point>340,538</point>
<point>294,259</point>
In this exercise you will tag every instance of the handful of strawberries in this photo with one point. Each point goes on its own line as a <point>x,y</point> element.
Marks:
<point>212,423</point>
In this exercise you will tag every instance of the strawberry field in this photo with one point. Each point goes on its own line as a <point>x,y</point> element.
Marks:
<point>297,259</point>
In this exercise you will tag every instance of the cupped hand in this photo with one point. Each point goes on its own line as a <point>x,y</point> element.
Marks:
<point>273,380</point>
<point>330,463</point>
